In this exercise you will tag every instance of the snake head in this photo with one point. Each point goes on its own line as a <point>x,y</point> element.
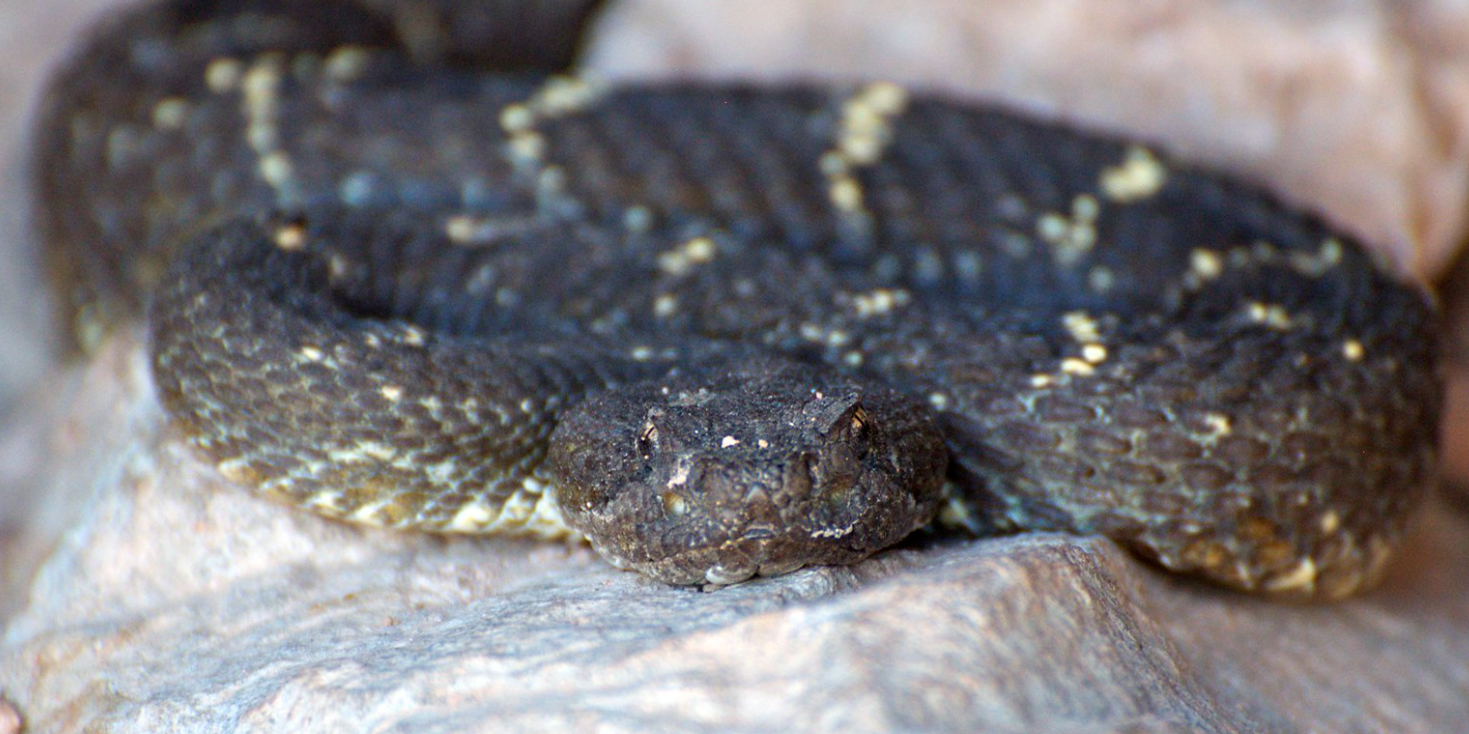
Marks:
<point>749,470</point>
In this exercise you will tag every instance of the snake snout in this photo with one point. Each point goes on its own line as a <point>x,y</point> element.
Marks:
<point>697,480</point>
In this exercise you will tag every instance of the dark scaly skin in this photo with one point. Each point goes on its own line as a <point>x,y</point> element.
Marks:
<point>1104,340</point>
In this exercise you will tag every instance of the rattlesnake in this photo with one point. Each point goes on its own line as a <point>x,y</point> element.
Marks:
<point>402,274</point>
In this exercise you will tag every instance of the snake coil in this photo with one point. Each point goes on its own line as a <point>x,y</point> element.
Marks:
<point>401,273</point>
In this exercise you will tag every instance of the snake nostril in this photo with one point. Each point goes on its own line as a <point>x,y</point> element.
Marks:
<point>807,462</point>
<point>801,478</point>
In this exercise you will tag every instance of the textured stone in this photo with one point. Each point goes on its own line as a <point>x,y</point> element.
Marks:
<point>140,593</point>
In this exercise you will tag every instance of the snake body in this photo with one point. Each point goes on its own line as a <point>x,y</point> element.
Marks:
<point>401,275</point>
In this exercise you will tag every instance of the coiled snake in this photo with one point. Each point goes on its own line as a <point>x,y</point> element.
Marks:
<point>400,275</point>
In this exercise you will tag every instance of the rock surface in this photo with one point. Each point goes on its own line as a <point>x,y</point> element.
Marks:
<point>141,593</point>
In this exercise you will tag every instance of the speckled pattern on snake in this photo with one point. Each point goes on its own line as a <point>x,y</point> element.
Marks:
<point>403,273</point>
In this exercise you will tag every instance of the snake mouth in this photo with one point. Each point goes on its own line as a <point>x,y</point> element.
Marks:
<point>742,559</point>
<point>805,523</point>
<point>716,527</point>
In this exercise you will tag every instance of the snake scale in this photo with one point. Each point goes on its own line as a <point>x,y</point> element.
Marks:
<point>405,271</point>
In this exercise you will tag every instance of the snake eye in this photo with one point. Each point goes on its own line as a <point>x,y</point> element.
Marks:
<point>648,440</point>
<point>853,427</point>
